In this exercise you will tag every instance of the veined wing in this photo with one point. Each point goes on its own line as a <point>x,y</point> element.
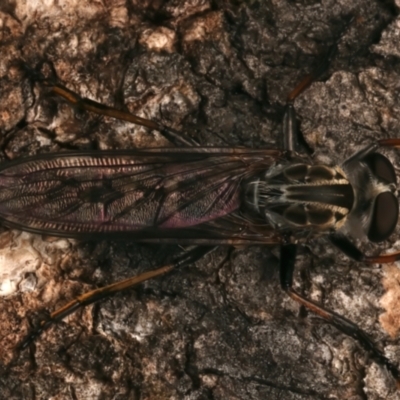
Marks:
<point>146,193</point>
<point>232,229</point>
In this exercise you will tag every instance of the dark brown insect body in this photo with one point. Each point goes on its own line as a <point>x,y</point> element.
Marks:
<point>183,194</point>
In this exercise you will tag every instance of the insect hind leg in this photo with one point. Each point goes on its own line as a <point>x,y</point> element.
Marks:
<point>182,259</point>
<point>45,74</point>
<point>287,264</point>
<point>86,104</point>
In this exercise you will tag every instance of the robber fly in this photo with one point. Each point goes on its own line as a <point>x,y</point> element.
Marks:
<point>205,197</point>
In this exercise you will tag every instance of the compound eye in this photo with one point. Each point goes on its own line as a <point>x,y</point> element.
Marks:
<point>384,217</point>
<point>381,167</point>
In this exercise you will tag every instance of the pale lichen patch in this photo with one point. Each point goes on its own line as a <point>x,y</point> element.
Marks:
<point>390,319</point>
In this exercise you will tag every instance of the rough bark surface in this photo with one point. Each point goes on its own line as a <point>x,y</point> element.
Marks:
<point>220,71</point>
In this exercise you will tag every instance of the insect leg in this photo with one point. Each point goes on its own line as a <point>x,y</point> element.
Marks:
<point>287,263</point>
<point>351,251</point>
<point>360,155</point>
<point>390,142</point>
<point>293,140</point>
<point>183,259</point>
<point>86,104</point>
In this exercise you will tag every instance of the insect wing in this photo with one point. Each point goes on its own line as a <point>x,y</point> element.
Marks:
<point>146,194</point>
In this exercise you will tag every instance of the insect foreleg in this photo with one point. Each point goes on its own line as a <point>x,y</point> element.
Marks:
<point>287,264</point>
<point>183,259</point>
<point>351,251</point>
<point>390,142</point>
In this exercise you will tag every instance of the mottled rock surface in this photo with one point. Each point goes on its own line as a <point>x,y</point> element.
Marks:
<point>220,71</point>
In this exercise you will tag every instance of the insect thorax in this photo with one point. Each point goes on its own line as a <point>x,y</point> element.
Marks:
<point>302,196</point>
